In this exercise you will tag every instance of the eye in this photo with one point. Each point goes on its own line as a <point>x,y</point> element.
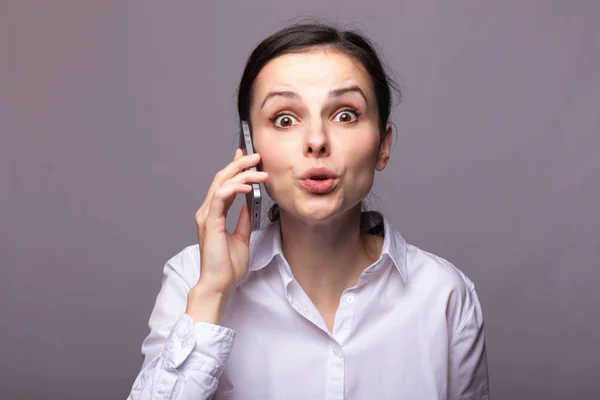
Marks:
<point>346,116</point>
<point>283,120</point>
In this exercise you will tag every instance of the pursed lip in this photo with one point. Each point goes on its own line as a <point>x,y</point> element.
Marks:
<point>320,173</point>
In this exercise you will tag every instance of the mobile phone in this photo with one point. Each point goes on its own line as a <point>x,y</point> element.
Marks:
<point>253,198</point>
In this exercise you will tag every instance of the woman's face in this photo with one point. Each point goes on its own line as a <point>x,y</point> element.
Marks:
<point>317,109</point>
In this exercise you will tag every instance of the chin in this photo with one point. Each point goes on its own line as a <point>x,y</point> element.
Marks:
<point>314,208</point>
<point>317,216</point>
<point>319,211</point>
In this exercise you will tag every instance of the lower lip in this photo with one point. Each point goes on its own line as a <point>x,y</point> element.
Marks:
<point>320,187</point>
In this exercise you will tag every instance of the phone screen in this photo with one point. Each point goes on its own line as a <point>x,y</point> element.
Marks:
<point>253,198</point>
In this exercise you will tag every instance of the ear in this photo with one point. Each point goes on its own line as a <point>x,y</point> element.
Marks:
<point>385,148</point>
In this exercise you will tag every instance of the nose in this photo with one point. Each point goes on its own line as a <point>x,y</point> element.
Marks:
<point>317,143</point>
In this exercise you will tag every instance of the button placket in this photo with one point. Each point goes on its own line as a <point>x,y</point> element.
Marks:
<point>344,317</point>
<point>336,372</point>
<point>337,351</point>
<point>341,333</point>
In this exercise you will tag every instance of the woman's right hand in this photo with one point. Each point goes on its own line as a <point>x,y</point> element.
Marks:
<point>224,256</point>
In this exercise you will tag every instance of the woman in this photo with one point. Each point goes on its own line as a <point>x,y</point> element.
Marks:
<point>327,301</point>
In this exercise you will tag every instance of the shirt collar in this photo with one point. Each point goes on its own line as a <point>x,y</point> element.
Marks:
<point>265,244</point>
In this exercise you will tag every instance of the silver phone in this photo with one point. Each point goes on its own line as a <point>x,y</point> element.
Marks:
<point>253,198</point>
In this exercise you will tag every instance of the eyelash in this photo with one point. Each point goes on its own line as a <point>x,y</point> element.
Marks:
<point>353,110</point>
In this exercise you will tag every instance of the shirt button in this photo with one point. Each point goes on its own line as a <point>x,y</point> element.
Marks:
<point>186,343</point>
<point>350,299</point>
<point>337,351</point>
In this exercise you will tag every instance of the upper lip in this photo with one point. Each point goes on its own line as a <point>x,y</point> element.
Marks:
<point>322,173</point>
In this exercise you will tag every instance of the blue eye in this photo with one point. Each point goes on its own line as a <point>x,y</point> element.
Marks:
<point>348,112</point>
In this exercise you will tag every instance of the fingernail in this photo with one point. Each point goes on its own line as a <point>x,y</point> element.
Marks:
<point>255,155</point>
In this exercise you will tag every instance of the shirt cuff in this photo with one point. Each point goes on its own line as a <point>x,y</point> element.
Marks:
<point>204,346</point>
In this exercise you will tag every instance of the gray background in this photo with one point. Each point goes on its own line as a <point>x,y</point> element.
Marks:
<point>114,117</point>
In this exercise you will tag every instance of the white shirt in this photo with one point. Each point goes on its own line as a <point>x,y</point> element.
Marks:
<point>412,328</point>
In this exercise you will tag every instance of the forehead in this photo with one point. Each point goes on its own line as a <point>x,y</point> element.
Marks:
<point>312,70</point>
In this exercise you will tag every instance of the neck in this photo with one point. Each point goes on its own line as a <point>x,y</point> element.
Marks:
<point>327,257</point>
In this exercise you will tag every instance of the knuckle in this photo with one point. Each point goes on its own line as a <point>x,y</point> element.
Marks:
<point>244,176</point>
<point>200,215</point>
<point>221,193</point>
<point>221,175</point>
<point>238,166</point>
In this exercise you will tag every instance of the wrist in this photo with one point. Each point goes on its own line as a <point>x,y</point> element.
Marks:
<point>206,305</point>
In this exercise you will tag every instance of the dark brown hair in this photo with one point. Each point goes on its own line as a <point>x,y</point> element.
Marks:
<point>304,36</point>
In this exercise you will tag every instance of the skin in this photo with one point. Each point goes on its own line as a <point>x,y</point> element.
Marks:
<point>292,133</point>
<point>316,130</point>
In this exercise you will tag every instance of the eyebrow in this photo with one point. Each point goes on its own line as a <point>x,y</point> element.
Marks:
<point>332,93</point>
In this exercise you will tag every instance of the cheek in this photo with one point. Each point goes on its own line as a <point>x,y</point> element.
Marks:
<point>273,159</point>
<point>276,161</point>
<point>360,162</point>
<point>363,155</point>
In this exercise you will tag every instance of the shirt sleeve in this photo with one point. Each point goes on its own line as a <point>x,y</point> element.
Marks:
<point>182,360</point>
<point>468,373</point>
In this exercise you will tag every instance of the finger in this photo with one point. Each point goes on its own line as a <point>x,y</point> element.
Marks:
<point>203,209</point>
<point>237,154</point>
<point>243,228</point>
<point>217,181</point>
<point>232,169</point>
<point>248,177</point>
<point>223,196</point>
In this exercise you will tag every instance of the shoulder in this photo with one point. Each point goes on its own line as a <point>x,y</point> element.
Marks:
<point>184,265</point>
<point>439,279</point>
<point>437,270</point>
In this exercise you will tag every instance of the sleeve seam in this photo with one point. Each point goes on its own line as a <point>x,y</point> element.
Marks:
<point>469,314</point>
<point>178,273</point>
